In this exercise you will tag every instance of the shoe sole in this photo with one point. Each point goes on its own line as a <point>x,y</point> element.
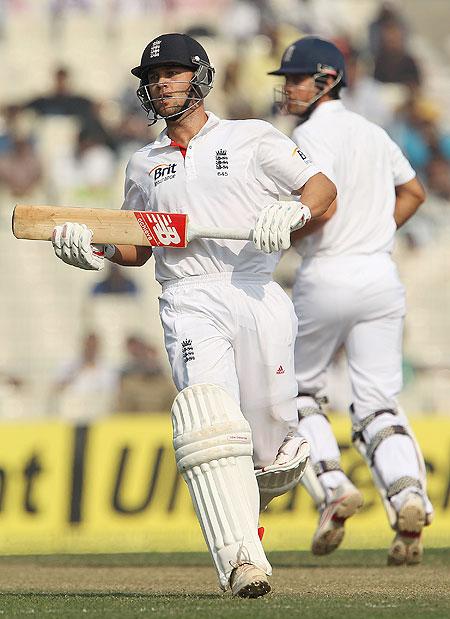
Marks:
<point>407,546</point>
<point>332,539</point>
<point>255,589</point>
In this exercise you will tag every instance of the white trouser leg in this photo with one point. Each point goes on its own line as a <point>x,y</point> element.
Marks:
<point>240,337</point>
<point>375,354</point>
<point>213,450</point>
<point>264,356</point>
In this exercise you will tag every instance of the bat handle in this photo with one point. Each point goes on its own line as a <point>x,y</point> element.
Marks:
<point>230,234</point>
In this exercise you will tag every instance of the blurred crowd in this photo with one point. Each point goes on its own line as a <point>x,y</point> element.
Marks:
<point>63,143</point>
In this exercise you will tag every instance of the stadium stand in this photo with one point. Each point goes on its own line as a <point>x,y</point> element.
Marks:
<point>46,308</point>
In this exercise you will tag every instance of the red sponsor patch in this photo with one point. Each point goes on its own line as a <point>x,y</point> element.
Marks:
<point>163,229</point>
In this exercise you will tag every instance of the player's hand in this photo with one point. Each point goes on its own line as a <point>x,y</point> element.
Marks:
<point>72,244</point>
<point>275,223</point>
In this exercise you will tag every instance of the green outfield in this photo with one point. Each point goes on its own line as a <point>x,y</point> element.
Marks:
<point>353,584</point>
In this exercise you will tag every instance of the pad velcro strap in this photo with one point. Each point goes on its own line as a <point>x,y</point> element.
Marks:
<point>381,436</point>
<point>320,399</point>
<point>358,428</point>
<point>402,484</point>
<point>325,466</point>
<point>307,411</point>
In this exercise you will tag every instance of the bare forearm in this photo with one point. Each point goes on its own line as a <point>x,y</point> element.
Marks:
<point>315,224</point>
<point>409,197</point>
<point>404,209</point>
<point>131,255</point>
<point>317,194</point>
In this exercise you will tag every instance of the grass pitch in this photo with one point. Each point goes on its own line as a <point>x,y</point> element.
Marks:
<point>349,584</point>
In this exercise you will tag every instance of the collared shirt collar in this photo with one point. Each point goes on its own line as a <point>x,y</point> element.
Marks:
<point>328,107</point>
<point>163,139</point>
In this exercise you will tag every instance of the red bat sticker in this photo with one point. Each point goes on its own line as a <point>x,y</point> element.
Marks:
<point>163,229</point>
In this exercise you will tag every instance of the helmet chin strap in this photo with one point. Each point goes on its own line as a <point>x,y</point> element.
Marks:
<point>311,104</point>
<point>186,105</point>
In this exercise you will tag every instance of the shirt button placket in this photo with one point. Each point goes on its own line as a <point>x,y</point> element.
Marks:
<point>189,163</point>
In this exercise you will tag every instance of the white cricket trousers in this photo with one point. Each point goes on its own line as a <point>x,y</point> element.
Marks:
<point>237,331</point>
<point>359,302</point>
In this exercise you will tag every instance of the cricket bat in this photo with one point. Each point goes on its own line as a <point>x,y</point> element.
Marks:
<point>118,227</point>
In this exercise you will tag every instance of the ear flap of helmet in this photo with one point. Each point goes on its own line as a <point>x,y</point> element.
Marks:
<point>146,101</point>
<point>203,78</point>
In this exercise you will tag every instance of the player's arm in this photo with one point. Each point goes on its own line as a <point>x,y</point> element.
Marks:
<point>409,196</point>
<point>131,255</point>
<point>322,154</point>
<point>318,194</point>
<point>135,200</point>
<point>315,224</point>
<point>276,222</point>
<point>409,191</point>
<point>72,241</point>
<point>292,172</point>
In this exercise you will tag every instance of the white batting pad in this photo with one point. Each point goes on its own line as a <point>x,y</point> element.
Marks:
<point>287,470</point>
<point>392,474</point>
<point>213,450</point>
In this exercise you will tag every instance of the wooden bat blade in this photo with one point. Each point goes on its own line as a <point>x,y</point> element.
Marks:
<point>108,225</point>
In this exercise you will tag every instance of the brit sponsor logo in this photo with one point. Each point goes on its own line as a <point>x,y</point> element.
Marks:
<point>222,162</point>
<point>163,172</point>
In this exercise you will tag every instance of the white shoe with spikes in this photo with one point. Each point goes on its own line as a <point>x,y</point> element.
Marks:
<point>345,501</point>
<point>248,581</point>
<point>407,547</point>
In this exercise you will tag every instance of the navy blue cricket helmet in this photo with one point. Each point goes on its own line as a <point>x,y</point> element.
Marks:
<point>310,56</point>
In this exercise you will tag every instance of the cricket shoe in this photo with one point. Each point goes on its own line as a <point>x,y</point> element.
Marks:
<point>407,547</point>
<point>248,581</point>
<point>344,502</point>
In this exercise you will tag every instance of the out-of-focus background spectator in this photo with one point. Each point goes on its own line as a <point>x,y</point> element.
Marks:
<point>116,281</point>
<point>84,387</point>
<point>144,386</point>
<point>69,121</point>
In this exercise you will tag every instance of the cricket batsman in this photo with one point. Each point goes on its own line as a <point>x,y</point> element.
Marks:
<point>347,292</point>
<point>229,329</point>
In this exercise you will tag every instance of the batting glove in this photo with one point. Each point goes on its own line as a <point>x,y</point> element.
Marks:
<point>275,223</point>
<point>72,244</point>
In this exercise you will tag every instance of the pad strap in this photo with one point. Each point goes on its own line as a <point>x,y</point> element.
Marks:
<point>380,437</point>
<point>359,427</point>
<point>307,411</point>
<point>402,484</point>
<point>326,466</point>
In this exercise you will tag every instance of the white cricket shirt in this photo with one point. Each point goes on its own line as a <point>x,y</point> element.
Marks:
<point>365,165</point>
<point>232,170</point>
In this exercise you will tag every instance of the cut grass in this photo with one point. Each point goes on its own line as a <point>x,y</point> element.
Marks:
<point>352,584</point>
